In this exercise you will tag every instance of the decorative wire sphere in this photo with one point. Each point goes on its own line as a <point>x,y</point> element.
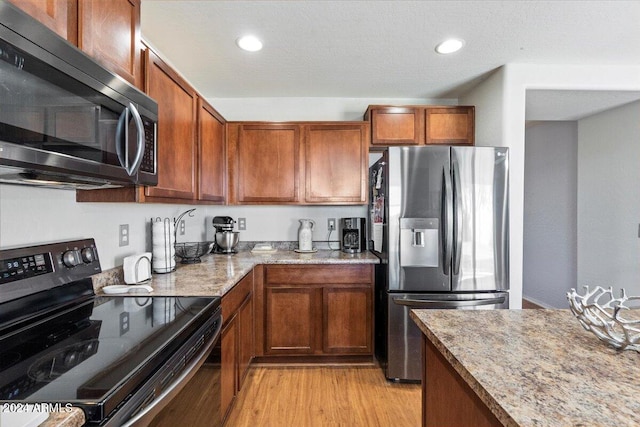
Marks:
<point>605,320</point>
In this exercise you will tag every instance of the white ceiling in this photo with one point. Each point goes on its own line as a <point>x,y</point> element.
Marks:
<point>385,49</point>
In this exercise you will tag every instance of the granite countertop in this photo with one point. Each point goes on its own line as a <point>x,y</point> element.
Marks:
<point>218,273</point>
<point>72,418</point>
<point>537,367</point>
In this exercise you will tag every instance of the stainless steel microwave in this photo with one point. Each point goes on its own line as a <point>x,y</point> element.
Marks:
<point>64,119</point>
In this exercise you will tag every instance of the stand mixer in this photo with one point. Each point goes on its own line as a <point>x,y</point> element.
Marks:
<point>226,238</point>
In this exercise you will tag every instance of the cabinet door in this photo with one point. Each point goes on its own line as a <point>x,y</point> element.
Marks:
<point>229,362</point>
<point>292,324</point>
<point>58,15</point>
<point>245,338</point>
<point>176,130</point>
<point>397,126</point>
<point>109,31</point>
<point>268,163</point>
<point>336,163</point>
<point>347,313</point>
<point>212,154</point>
<point>450,125</point>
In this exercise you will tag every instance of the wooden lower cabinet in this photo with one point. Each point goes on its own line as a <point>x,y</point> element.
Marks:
<point>311,310</point>
<point>344,311</point>
<point>229,364</point>
<point>291,313</point>
<point>447,399</point>
<point>236,340</point>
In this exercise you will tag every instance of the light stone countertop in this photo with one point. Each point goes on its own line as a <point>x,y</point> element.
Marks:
<point>537,367</point>
<point>218,273</point>
<point>72,418</point>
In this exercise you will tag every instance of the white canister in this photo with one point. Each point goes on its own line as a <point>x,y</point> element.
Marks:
<point>305,235</point>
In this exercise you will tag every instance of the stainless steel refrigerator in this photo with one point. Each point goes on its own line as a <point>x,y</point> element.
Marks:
<point>440,224</point>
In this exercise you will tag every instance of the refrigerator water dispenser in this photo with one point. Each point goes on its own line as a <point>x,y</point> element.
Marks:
<point>419,242</point>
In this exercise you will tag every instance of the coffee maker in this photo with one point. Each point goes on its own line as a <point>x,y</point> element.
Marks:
<point>353,235</point>
<point>226,238</point>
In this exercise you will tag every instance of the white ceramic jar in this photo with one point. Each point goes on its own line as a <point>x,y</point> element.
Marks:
<point>305,235</point>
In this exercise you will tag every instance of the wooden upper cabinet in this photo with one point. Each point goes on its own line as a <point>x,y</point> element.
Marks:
<point>212,154</point>
<point>58,15</point>
<point>264,159</point>
<point>450,125</point>
<point>298,162</point>
<point>421,124</point>
<point>176,130</point>
<point>106,30</point>
<point>396,125</point>
<point>109,31</point>
<point>336,162</point>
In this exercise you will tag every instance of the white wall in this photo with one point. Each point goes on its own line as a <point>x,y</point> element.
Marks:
<point>609,199</point>
<point>31,215</point>
<point>512,82</point>
<point>550,212</point>
<point>301,109</point>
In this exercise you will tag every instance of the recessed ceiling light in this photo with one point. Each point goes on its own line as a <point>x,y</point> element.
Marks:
<point>249,43</point>
<point>449,46</point>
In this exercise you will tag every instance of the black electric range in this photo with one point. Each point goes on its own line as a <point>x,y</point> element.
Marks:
<point>119,358</point>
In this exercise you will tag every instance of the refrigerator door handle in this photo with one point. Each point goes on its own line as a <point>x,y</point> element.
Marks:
<point>447,223</point>
<point>457,213</point>
<point>436,303</point>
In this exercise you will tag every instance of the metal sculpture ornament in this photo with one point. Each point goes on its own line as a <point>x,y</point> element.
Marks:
<point>605,320</point>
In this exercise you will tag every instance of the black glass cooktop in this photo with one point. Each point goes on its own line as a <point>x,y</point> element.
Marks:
<point>98,351</point>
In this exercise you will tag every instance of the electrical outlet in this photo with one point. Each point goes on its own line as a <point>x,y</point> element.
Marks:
<point>123,235</point>
<point>331,224</point>
<point>124,322</point>
<point>182,227</point>
<point>242,223</point>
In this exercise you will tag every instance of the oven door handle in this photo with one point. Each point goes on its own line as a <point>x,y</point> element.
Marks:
<point>145,416</point>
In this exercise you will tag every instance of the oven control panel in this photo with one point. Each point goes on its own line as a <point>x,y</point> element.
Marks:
<point>23,267</point>
<point>32,269</point>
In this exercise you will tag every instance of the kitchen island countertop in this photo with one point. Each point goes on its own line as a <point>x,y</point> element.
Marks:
<point>537,367</point>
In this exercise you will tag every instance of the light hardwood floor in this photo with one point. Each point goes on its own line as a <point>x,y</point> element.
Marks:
<point>320,396</point>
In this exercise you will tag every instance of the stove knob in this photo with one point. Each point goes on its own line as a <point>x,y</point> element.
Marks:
<point>87,255</point>
<point>70,259</point>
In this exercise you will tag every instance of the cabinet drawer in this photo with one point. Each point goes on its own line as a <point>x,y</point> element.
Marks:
<point>232,300</point>
<point>318,274</point>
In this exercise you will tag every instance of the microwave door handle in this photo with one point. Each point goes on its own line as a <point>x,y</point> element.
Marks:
<point>121,137</point>
<point>133,169</point>
<point>436,303</point>
<point>457,212</point>
<point>447,223</point>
